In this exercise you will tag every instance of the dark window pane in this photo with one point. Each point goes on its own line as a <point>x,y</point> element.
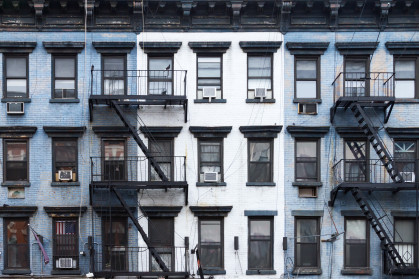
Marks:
<point>16,151</point>
<point>210,243</point>
<point>306,171</point>
<point>210,257</point>
<point>356,255</point>
<point>65,67</point>
<point>16,161</point>
<point>306,69</point>
<point>259,172</point>
<point>306,255</point>
<point>16,171</point>
<point>16,67</point>
<point>17,243</point>
<point>259,66</point>
<point>65,151</point>
<point>260,255</point>
<point>404,230</point>
<point>161,232</point>
<point>356,243</point>
<point>307,230</point>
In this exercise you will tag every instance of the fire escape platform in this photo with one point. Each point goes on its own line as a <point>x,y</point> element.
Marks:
<point>140,184</point>
<point>156,274</point>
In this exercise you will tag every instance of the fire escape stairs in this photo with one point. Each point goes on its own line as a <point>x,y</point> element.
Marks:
<point>386,243</point>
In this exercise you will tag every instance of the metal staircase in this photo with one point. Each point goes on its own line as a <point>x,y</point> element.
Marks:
<point>366,125</point>
<point>359,155</point>
<point>386,242</point>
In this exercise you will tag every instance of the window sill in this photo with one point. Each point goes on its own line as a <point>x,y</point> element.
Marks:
<point>407,101</point>
<point>307,271</point>
<point>210,184</point>
<point>260,184</point>
<point>63,184</point>
<point>260,272</point>
<point>357,271</point>
<point>16,271</point>
<point>307,184</point>
<point>307,100</point>
<point>64,101</point>
<point>206,101</point>
<point>258,101</point>
<point>214,271</point>
<point>25,100</point>
<point>66,272</point>
<point>15,184</point>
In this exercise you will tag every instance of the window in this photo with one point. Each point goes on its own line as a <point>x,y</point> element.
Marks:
<point>16,75</point>
<point>209,75</point>
<point>161,232</point>
<point>64,77</point>
<point>307,192</point>
<point>259,76</point>
<point>114,75</point>
<point>66,246</point>
<point>405,78</point>
<point>160,75</point>
<point>16,158</point>
<point>114,162</point>
<point>162,152</point>
<point>405,158</point>
<point>306,78</point>
<point>405,239</point>
<point>307,160</point>
<point>260,243</point>
<point>260,160</point>
<point>65,159</point>
<point>115,242</point>
<point>356,161</point>
<point>210,160</point>
<point>307,242</point>
<point>356,70</point>
<point>16,242</point>
<point>356,243</point>
<point>211,243</point>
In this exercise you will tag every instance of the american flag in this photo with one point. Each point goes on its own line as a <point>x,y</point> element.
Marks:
<point>65,227</point>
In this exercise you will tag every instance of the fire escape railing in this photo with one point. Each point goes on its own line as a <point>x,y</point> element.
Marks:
<point>151,83</point>
<point>363,84</point>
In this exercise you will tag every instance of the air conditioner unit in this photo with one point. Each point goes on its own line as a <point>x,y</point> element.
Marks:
<point>65,175</point>
<point>65,263</point>
<point>307,108</point>
<point>209,92</point>
<point>210,176</point>
<point>408,176</point>
<point>260,93</point>
<point>15,108</point>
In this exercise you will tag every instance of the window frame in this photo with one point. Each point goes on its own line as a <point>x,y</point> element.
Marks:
<point>5,244</point>
<point>315,58</point>
<point>271,162</point>
<point>111,219</point>
<point>5,78</point>
<point>172,79</point>
<point>271,240</point>
<point>103,140</point>
<point>416,79</point>
<point>172,240</point>
<point>221,220</point>
<point>53,77</point>
<point>318,157</point>
<point>171,141</point>
<point>415,161</point>
<point>211,140</point>
<point>415,238</point>
<point>367,60</point>
<point>54,167</point>
<point>5,141</point>
<point>55,246</point>
<point>367,157</point>
<point>367,244</point>
<point>318,258</point>
<point>210,55</point>
<point>267,54</point>
<point>116,55</point>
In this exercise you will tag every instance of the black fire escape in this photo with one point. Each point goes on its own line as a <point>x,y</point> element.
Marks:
<point>124,92</point>
<point>366,96</point>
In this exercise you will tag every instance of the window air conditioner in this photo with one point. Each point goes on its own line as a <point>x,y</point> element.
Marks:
<point>210,176</point>
<point>209,92</point>
<point>260,93</point>
<point>307,108</point>
<point>65,263</point>
<point>15,108</point>
<point>408,176</point>
<point>65,175</point>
